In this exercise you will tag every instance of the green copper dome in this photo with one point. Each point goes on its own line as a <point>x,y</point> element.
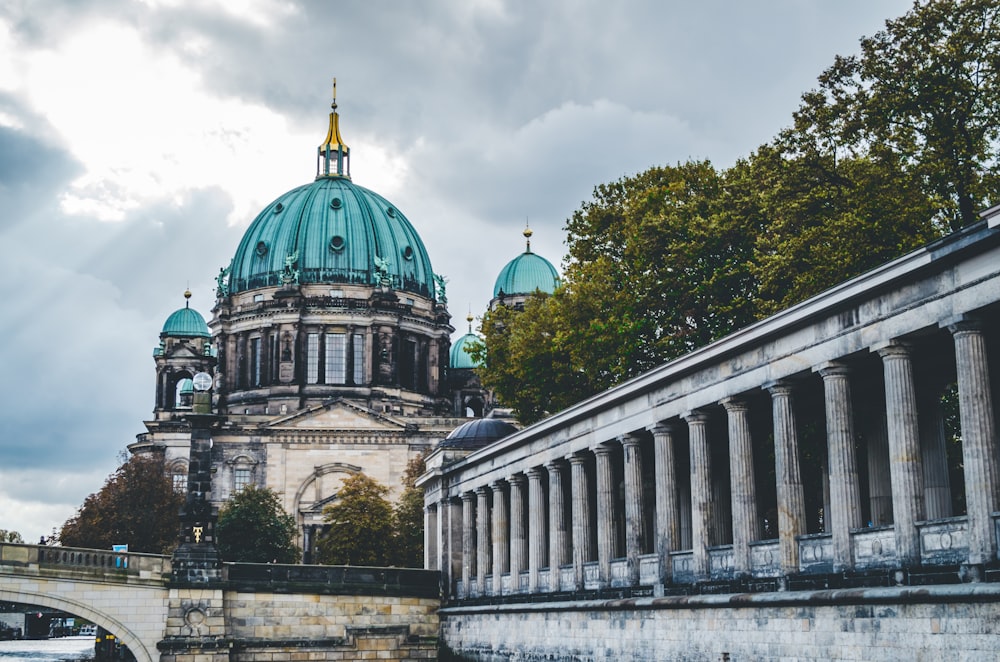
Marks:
<point>526,273</point>
<point>185,323</point>
<point>331,231</point>
<point>460,358</point>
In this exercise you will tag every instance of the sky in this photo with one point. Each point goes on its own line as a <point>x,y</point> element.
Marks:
<point>139,138</point>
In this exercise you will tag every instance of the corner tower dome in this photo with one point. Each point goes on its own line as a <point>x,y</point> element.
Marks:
<point>460,359</point>
<point>185,322</point>
<point>332,231</point>
<point>526,273</point>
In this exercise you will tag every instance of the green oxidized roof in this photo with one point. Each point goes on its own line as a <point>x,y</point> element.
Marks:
<point>336,229</point>
<point>185,323</point>
<point>459,357</point>
<point>526,273</point>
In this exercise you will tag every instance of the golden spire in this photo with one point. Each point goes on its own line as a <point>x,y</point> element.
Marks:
<point>187,297</point>
<point>527,236</point>
<point>469,318</point>
<point>333,157</point>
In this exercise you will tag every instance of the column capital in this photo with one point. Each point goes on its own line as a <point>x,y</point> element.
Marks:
<point>536,473</point>
<point>577,459</point>
<point>779,387</point>
<point>497,485</point>
<point>432,508</point>
<point>734,403</point>
<point>468,496</point>
<point>482,490</point>
<point>695,416</point>
<point>555,465</point>
<point>630,439</point>
<point>517,480</point>
<point>893,349</point>
<point>963,324</point>
<point>832,369</point>
<point>663,427</point>
<point>602,450</point>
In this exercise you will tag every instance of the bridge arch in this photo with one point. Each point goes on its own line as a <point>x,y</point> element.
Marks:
<point>81,609</point>
<point>125,594</point>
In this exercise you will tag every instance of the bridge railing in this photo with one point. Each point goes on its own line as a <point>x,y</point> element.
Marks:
<point>106,564</point>
<point>336,580</point>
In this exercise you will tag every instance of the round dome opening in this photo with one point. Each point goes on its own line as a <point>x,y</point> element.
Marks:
<point>337,243</point>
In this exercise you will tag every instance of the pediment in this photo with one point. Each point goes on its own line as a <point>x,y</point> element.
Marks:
<point>338,415</point>
<point>183,351</point>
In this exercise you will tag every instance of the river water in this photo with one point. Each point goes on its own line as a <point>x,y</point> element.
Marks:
<point>47,650</point>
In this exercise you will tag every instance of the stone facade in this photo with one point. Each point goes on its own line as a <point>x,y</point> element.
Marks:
<point>930,624</point>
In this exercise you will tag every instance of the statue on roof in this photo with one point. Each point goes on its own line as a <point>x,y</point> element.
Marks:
<point>291,275</point>
<point>222,281</point>
<point>439,288</point>
<point>382,270</point>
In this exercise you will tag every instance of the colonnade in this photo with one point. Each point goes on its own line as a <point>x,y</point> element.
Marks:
<point>718,491</point>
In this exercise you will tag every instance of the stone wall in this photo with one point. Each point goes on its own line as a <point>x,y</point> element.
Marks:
<point>929,623</point>
<point>331,627</point>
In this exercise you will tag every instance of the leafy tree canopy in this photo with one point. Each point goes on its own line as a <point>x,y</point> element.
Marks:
<point>254,528</point>
<point>408,518</point>
<point>137,506</point>
<point>10,536</point>
<point>360,525</point>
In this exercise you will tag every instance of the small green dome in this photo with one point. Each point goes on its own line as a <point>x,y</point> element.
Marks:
<point>460,358</point>
<point>185,386</point>
<point>526,273</point>
<point>331,231</point>
<point>185,323</point>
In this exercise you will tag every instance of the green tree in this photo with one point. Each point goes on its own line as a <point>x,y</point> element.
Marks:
<point>408,518</point>
<point>923,93</point>
<point>136,506</point>
<point>828,219</point>
<point>254,528</point>
<point>360,525</point>
<point>11,536</point>
<point>658,265</point>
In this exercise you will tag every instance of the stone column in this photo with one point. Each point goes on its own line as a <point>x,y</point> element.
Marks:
<point>468,542</point>
<point>582,550</point>
<point>845,499</point>
<point>537,551</point>
<point>667,508</point>
<point>743,490</point>
<point>483,547</point>
<point>518,533</point>
<point>634,533</point>
<point>979,450</point>
<point>905,468</point>
<point>431,537</point>
<point>444,546</point>
<point>791,496</point>
<point>701,490</point>
<point>501,541</point>
<point>558,537</point>
<point>605,513</point>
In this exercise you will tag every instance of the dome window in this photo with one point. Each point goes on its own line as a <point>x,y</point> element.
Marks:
<point>391,212</point>
<point>408,253</point>
<point>336,203</point>
<point>337,243</point>
<point>278,208</point>
<point>261,249</point>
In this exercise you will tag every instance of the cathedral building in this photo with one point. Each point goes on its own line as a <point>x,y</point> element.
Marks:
<point>327,352</point>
